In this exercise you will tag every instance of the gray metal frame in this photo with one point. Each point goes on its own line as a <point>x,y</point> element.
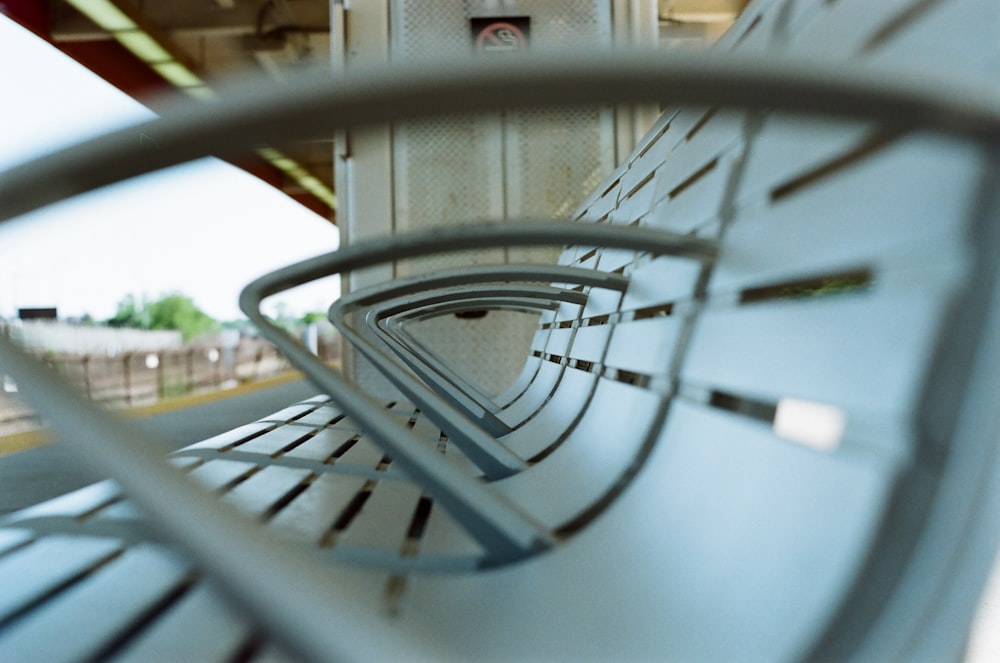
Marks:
<point>292,599</point>
<point>395,327</point>
<point>317,103</point>
<point>434,372</point>
<point>457,493</point>
<point>448,286</point>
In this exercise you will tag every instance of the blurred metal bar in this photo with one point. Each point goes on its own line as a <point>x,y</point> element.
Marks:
<point>406,290</point>
<point>282,591</point>
<point>443,389</point>
<point>260,111</point>
<point>282,587</point>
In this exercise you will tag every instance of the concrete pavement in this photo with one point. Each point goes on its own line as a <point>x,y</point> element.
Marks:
<point>31,476</point>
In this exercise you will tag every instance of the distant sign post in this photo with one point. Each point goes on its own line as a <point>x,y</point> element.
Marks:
<point>45,313</point>
<point>500,35</point>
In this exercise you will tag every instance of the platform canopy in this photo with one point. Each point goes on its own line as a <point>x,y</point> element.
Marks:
<point>149,49</point>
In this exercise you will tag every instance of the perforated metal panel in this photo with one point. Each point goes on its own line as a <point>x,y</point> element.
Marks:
<point>484,357</point>
<point>556,157</point>
<point>454,170</point>
<point>423,29</point>
<point>447,172</point>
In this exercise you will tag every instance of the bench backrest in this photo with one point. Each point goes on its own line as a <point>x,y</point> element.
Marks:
<point>773,456</point>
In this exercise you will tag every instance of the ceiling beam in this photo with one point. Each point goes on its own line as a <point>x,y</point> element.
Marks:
<point>203,18</point>
<point>31,14</point>
<point>110,60</point>
<point>701,11</point>
<point>263,170</point>
<point>70,25</point>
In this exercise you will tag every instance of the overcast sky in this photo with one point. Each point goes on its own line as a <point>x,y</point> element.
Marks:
<point>203,229</point>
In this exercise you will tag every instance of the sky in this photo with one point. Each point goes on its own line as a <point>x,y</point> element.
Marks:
<point>203,229</point>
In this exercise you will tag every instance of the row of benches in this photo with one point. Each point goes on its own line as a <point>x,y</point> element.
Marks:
<point>755,421</point>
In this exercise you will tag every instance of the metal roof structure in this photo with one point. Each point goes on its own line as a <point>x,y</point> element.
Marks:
<point>150,49</point>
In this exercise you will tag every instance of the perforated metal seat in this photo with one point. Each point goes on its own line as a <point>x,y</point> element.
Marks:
<point>777,443</point>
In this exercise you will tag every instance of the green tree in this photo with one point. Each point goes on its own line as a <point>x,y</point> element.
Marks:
<point>177,311</point>
<point>313,316</point>
<point>173,311</point>
<point>130,313</point>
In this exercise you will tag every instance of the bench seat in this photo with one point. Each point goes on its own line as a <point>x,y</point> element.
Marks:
<point>768,433</point>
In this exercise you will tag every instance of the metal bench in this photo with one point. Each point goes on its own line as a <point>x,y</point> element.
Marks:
<point>758,425</point>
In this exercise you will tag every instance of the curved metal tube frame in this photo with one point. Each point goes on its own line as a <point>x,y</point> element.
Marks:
<point>458,416</point>
<point>263,111</point>
<point>480,409</point>
<point>443,395</point>
<point>552,274</point>
<point>286,594</point>
<point>506,532</point>
<point>396,328</point>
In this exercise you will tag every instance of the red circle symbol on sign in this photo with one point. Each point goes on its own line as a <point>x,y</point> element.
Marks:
<point>500,37</point>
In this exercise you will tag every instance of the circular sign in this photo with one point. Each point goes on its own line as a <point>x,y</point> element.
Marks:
<point>500,37</point>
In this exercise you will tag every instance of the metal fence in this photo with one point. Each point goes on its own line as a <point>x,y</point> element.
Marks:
<point>141,378</point>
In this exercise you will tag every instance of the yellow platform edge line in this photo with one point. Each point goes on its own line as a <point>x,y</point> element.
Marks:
<point>33,439</point>
<point>10,444</point>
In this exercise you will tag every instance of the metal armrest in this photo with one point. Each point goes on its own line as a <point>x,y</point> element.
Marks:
<point>395,327</point>
<point>440,392</point>
<point>402,294</point>
<point>498,525</point>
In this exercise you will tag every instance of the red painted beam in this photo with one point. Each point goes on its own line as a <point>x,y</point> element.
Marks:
<point>32,14</point>
<point>276,178</point>
<point>106,58</point>
<point>116,64</point>
<point>313,203</point>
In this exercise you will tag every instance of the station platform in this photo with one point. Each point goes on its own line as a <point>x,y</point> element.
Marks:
<point>45,471</point>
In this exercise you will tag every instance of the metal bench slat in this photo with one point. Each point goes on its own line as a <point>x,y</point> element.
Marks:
<point>551,423</point>
<point>274,441</point>
<point>385,517</point>
<point>595,455</point>
<point>27,575</point>
<point>862,352</point>
<point>215,474</point>
<point>258,493</point>
<point>90,616</point>
<point>917,191</point>
<point>200,627</point>
<point>535,395</point>
<point>323,444</point>
<point>311,514</point>
<point>645,346</point>
<point>589,343</point>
